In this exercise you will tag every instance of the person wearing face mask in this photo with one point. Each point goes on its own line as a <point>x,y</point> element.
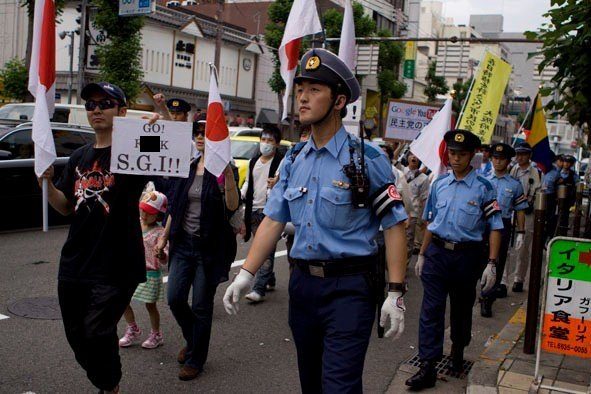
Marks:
<point>260,178</point>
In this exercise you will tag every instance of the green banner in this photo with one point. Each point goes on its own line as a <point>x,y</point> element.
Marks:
<point>570,259</point>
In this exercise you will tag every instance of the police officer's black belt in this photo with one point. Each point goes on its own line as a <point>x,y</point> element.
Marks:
<point>340,267</point>
<point>455,246</point>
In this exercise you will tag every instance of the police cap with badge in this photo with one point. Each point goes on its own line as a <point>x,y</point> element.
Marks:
<point>503,151</point>
<point>320,65</point>
<point>461,140</point>
<point>178,105</point>
<point>523,147</point>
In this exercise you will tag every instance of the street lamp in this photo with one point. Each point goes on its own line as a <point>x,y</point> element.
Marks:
<point>63,35</point>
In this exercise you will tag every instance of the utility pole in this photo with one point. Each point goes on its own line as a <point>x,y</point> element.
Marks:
<point>82,50</point>
<point>71,73</point>
<point>219,16</point>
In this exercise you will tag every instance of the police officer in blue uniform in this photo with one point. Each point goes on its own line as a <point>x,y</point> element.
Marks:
<point>336,197</point>
<point>511,199</point>
<point>549,188</point>
<point>461,205</point>
<point>179,109</point>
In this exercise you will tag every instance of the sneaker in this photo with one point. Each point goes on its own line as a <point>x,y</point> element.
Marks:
<point>132,334</point>
<point>254,297</point>
<point>270,287</point>
<point>154,340</point>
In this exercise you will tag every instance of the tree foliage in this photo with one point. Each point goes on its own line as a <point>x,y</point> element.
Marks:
<point>365,26</point>
<point>120,56</point>
<point>435,84</point>
<point>461,91</point>
<point>15,77</point>
<point>567,46</point>
<point>391,54</point>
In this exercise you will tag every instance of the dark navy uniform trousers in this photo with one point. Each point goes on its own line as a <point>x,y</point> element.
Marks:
<point>331,321</point>
<point>452,273</point>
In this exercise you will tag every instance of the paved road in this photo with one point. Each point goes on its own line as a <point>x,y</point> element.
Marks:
<point>249,353</point>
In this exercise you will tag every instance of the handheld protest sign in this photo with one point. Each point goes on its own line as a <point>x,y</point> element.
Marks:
<point>141,148</point>
<point>566,308</point>
<point>406,119</point>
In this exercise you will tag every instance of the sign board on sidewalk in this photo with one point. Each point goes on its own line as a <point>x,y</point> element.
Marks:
<point>136,7</point>
<point>351,121</point>
<point>407,118</point>
<point>566,322</point>
<point>161,149</point>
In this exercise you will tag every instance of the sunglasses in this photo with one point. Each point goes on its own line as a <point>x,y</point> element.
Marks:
<point>103,104</point>
<point>198,133</point>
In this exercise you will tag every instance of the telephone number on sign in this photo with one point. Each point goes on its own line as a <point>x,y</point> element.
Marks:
<point>567,347</point>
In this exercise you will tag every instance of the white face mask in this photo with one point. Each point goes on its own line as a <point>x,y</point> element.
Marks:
<point>266,148</point>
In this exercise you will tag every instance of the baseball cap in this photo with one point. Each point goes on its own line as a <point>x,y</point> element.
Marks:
<point>107,88</point>
<point>153,203</point>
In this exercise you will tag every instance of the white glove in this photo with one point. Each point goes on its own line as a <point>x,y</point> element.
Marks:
<point>419,265</point>
<point>489,276</point>
<point>518,241</point>
<point>393,309</point>
<point>242,282</point>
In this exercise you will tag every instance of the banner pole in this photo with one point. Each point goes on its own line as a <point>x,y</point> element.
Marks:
<point>470,90</point>
<point>44,202</point>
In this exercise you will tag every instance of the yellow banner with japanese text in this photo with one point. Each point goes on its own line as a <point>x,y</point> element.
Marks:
<point>482,108</point>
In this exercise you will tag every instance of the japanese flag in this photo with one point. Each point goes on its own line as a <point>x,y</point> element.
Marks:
<point>217,137</point>
<point>42,83</point>
<point>302,21</point>
<point>429,146</point>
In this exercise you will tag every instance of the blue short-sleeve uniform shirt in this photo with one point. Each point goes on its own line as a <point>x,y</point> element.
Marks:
<point>314,193</point>
<point>509,194</point>
<point>459,210</point>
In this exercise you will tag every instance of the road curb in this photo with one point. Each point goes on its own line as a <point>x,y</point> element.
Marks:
<point>482,379</point>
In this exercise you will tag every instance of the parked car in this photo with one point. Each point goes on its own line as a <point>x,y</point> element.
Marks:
<point>244,131</point>
<point>245,148</point>
<point>20,193</point>
<point>64,113</point>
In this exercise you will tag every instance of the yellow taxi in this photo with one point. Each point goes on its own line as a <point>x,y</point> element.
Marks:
<point>245,148</point>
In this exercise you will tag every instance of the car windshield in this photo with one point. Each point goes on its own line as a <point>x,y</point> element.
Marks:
<point>244,149</point>
<point>17,112</point>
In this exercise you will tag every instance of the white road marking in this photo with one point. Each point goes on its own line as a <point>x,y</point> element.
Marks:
<point>2,317</point>
<point>238,263</point>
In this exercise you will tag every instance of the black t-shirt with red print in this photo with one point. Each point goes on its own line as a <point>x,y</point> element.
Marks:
<point>105,239</point>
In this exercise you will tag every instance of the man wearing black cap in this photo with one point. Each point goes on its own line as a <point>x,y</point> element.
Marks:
<point>531,181</point>
<point>179,109</point>
<point>511,198</point>
<point>336,206</point>
<point>102,261</point>
<point>461,205</point>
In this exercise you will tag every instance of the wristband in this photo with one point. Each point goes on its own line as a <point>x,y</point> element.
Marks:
<point>397,286</point>
<point>493,261</point>
<point>520,232</point>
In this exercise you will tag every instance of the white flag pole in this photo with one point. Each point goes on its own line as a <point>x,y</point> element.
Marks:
<point>45,203</point>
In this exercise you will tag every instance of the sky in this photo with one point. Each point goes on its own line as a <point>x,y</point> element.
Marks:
<point>519,15</point>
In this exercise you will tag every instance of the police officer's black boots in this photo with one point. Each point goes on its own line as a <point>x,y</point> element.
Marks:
<point>457,359</point>
<point>425,378</point>
<point>486,307</point>
<point>501,291</point>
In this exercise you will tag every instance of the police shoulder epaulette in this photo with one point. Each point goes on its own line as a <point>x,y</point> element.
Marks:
<point>294,151</point>
<point>440,177</point>
<point>485,182</point>
<point>371,152</point>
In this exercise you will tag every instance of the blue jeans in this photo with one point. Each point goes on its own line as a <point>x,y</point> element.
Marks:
<point>265,275</point>
<point>187,269</point>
